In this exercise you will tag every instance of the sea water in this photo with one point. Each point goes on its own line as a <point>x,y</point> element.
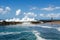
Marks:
<point>30,32</point>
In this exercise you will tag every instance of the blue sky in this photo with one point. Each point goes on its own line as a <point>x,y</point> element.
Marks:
<point>39,9</point>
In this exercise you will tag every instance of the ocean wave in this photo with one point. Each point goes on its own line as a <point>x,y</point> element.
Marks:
<point>35,32</point>
<point>36,25</point>
<point>45,26</point>
<point>30,25</point>
<point>7,33</point>
<point>58,28</point>
<point>37,35</point>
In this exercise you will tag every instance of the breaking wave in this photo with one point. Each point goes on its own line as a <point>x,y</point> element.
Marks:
<point>36,33</point>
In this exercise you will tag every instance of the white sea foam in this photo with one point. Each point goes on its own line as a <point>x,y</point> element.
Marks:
<point>28,24</point>
<point>58,28</point>
<point>7,33</point>
<point>36,25</point>
<point>45,26</point>
<point>36,33</point>
<point>22,25</point>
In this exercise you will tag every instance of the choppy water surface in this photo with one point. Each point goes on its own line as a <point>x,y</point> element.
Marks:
<point>30,32</point>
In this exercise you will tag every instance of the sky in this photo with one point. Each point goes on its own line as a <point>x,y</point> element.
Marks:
<point>37,9</point>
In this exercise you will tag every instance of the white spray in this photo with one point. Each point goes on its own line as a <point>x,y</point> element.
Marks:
<point>37,35</point>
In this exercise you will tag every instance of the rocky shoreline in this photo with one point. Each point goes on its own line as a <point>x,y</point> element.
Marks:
<point>32,22</point>
<point>14,23</point>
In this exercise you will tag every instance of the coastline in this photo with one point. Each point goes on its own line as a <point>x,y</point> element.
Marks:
<point>55,22</point>
<point>31,22</point>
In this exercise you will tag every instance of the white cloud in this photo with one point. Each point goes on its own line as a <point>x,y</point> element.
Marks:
<point>28,19</point>
<point>42,15</point>
<point>50,15</point>
<point>50,8</point>
<point>53,15</point>
<point>13,19</point>
<point>1,10</point>
<point>33,8</point>
<point>57,7</point>
<point>30,14</point>
<point>18,11</point>
<point>6,10</point>
<point>20,20</point>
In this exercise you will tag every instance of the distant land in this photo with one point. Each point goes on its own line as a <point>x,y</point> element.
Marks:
<point>3,22</point>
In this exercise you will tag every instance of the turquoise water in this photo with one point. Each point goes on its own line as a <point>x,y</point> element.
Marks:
<point>30,32</point>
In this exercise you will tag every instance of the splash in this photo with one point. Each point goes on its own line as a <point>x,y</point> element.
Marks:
<point>37,35</point>
<point>58,28</point>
